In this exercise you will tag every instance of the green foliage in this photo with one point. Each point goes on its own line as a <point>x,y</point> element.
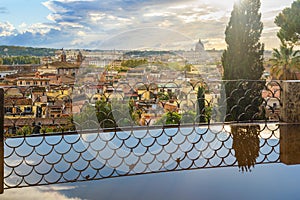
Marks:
<point>47,130</point>
<point>121,69</point>
<point>165,96</point>
<point>243,59</point>
<point>134,112</point>
<point>104,114</point>
<point>134,63</point>
<point>188,117</point>
<point>20,60</point>
<point>86,119</point>
<point>25,51</point>
<point>201,105</point>
<point>289,22</point>
<point>188,67</point>
<point>174,66</point>
<point>285,62</point>
<point>169,118</point>
<point>26,130</point>
<point>208,113</point>
<point>124,113</point>
<point>245,100</point>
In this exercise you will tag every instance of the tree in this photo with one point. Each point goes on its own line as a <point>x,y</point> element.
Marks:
<point>134,63</point>
<point>285,62</point>
<point>201,105</point>
<point>86,119</point>
<point>104,114</point>
<point>289,22</point>
<point>243,60</point>
<point>20,60</point>
<point>26,130</point>
<point>173,118</point>
<point>188,67</point>
<point>246,145</point>
<point>125,113</point>
<point>169,118</point>
<point>188,117</point>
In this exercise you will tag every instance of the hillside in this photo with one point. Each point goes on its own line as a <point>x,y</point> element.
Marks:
<point>25,51</point>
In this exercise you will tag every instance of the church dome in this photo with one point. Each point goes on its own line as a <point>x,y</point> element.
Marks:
<point>199,47</point>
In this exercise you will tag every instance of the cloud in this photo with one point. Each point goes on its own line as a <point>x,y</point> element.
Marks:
<point>146,38</point>
<point>35,194</point>
<point>51,37</point>
<point>107,18</point>
<point>3,10</point>
<point>87,23</point>
<point>38,28</point>
<point>6,29</point>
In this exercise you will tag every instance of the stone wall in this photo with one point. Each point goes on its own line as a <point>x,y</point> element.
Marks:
<point>290,144</point>
<point>290,99</point>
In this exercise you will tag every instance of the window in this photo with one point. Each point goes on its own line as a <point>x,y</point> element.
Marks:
<point>12,130</point>
<point>27,109</point>
<point>8,110</point>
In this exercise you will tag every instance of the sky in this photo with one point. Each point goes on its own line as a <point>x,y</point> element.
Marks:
<point>125,24</point>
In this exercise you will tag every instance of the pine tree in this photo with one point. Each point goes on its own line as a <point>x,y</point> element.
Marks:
<point>289,22</point>
<point>243,60</point>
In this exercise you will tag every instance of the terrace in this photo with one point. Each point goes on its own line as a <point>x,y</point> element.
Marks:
<point>93,151</point>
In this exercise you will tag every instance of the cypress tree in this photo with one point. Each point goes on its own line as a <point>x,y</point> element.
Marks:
<point>243,60</point>
<point>201,105</point>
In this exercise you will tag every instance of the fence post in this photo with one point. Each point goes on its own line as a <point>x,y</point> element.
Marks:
<point>1,141</point>
<point>290,109</point>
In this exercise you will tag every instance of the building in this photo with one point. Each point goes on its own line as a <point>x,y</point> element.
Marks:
<point>197,56</point>
<point>3,74</point>
<point>18,107</point>
<point>37,80</point>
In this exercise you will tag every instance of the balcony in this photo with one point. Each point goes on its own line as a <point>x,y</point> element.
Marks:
<point>94,152</point>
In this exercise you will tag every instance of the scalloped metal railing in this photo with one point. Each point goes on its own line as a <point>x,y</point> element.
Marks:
<point>98,151</point>
<point>73,157</point>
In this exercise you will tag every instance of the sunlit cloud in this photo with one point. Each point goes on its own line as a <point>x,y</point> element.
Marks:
<point>55,7</point>
<point>37,28</point>
<point>7,29</point>
<point>36,194</point>
<point>87,23</point>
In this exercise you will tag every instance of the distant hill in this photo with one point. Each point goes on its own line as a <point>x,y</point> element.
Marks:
<point>25,51</point>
